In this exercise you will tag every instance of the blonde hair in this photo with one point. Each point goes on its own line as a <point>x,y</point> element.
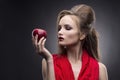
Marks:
<point>86,16</point>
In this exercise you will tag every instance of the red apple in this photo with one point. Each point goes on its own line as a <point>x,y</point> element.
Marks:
<point>40,32</point>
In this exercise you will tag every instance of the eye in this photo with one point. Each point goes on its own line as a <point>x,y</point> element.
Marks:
<point>68,27</point>
<point>59,27</point>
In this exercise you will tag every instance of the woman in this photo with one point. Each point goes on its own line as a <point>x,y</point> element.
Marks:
<point>78,57</point>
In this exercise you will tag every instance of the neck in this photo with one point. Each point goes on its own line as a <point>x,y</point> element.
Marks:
<point>74,53</point>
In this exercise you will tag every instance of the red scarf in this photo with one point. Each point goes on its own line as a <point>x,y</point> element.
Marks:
<point>63,69</point>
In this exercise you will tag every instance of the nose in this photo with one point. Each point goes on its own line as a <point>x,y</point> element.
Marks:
<point>60,32</point>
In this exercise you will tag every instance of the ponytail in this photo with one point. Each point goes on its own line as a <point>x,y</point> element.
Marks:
<point>86,16</point>
<point>90,43</point>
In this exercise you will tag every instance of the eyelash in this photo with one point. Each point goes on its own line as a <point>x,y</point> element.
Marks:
<point>59,27</point>
<point>67,27</point>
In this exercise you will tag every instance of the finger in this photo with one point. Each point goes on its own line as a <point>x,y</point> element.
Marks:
<point>32,34</point>
<point>36,37</point>
<point>33,40</point>
<point>43,43</point>
<point>39,44</point>
<point>40,41</point>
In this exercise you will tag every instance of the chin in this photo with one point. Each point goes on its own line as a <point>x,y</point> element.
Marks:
<point>67,44</point>
<point>63,44</point>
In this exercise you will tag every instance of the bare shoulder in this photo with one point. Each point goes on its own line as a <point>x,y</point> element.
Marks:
<point>103,75</point>
<point>102,66</point>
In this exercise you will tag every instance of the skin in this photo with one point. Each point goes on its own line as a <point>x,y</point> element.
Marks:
<point>47,62</point>
<point>71,36</point>
<point>67,28</point>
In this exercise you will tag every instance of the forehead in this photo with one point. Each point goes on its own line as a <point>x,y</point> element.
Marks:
<point>68,19</point>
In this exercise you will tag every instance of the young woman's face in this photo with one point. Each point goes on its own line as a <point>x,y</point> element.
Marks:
<point>68,31</point>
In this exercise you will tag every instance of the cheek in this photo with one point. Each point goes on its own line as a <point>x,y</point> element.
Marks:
<point>74,37</point>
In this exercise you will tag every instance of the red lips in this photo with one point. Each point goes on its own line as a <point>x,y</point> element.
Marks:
<point>60,38</point>
<point>40,32</point>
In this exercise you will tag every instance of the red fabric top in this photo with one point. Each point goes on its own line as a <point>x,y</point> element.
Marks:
<point>63,69</point>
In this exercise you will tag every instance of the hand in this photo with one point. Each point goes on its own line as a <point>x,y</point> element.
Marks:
<point>40,47</point>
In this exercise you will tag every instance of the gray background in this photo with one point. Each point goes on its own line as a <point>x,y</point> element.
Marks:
<point>18,60</point>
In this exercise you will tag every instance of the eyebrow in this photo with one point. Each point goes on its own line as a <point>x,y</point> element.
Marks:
<point>64,24</point>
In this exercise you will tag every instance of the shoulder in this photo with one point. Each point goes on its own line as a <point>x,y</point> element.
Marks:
<point>102,72</point>
<point>58,56</point>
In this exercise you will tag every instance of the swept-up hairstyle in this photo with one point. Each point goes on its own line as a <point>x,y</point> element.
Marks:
<point>86,16</point>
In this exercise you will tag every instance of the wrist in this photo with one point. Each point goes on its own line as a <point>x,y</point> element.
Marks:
<point>49,58</point>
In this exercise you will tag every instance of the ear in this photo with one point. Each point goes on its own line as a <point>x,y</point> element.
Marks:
<point>82,36</point>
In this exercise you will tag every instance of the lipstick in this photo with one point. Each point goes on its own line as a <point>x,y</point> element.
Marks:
<point>60,38</point>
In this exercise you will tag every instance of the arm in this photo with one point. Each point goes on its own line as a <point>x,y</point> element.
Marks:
<point>44,69</point>
<point>47,63</point>
<point>48,70</point>
<point>102,72</point>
